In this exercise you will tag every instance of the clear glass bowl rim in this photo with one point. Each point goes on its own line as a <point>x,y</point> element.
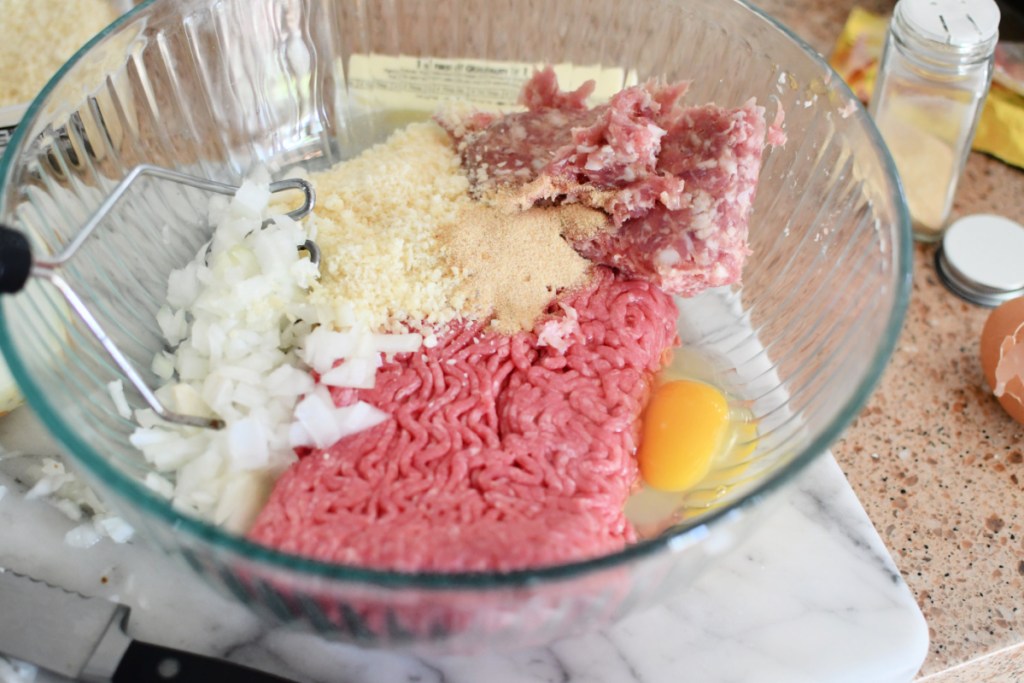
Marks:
<point>151,504</point>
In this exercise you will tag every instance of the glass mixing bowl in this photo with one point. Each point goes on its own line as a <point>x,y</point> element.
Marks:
<point>216,87</point>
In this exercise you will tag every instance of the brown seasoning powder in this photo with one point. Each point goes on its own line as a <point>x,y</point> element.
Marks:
<point>515,262</point>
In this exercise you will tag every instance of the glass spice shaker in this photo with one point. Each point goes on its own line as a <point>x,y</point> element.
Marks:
<point>932,82</point>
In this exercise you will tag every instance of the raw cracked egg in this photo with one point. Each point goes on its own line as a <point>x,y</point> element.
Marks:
<point>685,425</point>
<point>1002,356</point>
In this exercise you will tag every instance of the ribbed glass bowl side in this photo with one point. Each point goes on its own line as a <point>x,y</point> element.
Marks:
<point>219,87</point>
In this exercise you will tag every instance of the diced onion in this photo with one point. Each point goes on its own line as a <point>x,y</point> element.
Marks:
<point>82,536</point>
<point>397,343</point>
<point>355,373</point>
<point>159,485</point>
<point>116,389</point>
<point>245,337</point>
<point>116,528</point>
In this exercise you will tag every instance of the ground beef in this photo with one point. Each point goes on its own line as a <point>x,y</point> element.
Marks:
<point>677,182</point>
<point>501,453</point>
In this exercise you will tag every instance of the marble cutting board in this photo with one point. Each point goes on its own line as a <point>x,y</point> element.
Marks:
<point>811,597</point>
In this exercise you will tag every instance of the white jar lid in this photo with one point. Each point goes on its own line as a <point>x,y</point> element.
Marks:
<point>982,259</point>
<point>962,23</point>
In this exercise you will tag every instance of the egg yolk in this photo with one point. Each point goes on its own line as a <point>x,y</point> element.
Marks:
<point>684,426</point>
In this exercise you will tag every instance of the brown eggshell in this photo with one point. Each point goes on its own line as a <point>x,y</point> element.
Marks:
<point>1001,323</point>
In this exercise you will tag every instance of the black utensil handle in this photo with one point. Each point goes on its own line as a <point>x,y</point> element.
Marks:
<point>15,260</point>
<point>146,663</point>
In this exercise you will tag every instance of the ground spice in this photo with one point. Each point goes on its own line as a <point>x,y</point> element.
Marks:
<point>514,262</point>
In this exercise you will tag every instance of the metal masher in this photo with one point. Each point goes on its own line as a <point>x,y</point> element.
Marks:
<point>17,264</point>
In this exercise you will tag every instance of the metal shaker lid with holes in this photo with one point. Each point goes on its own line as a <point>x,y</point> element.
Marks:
<point>956,23</point>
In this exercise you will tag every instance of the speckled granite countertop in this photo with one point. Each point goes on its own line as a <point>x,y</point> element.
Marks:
<point>934,460</point>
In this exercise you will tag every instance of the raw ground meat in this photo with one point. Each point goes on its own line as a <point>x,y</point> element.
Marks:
<point>508,452</point>
<point>678,182</point>
<point>501,453</point>
<point>697,238</point>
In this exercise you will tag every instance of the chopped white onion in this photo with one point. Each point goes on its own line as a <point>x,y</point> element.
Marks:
<point>116,528</point>
<point>159,485</point>
<point>163,366</point>
<point>287,380</point>
<point>355,373</point>
<point>82,536</point>
<point>324,347</point>
<point>357,417</point>
<point>53,477</point>
<point>70,508</point>
<point>397,343</point>
<point>183,286</point>
<point>316,414</point>
<point>247,444</point>
<point>251,198</point>
<point>116,390</point>
<point>299,436</point>
<point>241,499</point>
<point>245,337</point>
<point>172,324</point>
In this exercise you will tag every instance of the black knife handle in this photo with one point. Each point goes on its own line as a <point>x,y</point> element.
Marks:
<point>15,260</point>
<point>146,663</point>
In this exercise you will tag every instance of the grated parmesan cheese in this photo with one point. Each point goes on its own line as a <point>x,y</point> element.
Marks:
<point>376,225</point>
<point>40,37</point>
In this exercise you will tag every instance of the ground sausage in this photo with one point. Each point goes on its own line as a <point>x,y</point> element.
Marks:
<point>677,182</point>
